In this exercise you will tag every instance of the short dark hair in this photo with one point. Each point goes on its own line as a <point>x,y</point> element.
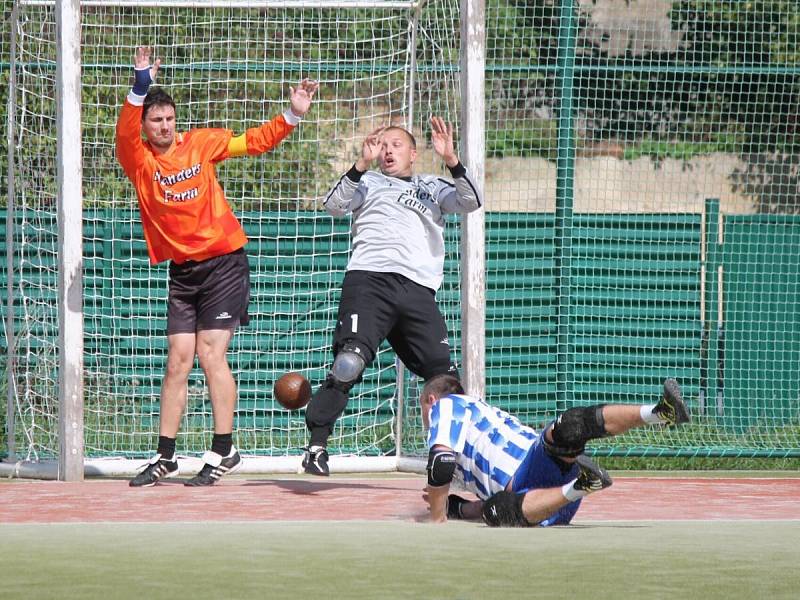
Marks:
<point>157,97</point>
<point>409,135</point>
<point>442,385</point>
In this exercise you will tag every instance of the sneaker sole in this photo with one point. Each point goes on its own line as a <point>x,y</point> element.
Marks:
<point>233,469</point>
<point>308,471</point>
<point>304,466</point>
<point>674,396</point>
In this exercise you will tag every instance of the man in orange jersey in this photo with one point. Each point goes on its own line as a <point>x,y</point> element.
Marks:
<point>188,221</point>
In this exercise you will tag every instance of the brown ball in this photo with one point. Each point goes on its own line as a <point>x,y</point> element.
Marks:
<point>292,391</point>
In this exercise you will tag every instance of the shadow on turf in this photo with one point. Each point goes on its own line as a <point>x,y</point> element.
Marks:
<point>604,526</point>
<point>303,487</point>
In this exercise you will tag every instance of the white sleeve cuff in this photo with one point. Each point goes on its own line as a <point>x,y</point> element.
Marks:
<point>291,118</point>
<point>135,99</point>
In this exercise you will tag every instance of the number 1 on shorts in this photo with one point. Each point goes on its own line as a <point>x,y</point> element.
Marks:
<point>354,325</point>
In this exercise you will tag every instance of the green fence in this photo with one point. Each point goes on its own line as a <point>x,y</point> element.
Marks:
<point>760,324</point>
<point>636,315</point>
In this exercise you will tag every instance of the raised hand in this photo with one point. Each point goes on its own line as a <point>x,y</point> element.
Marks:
<point>302,95</point>
<point>442,138</point>
<point>142,61</point>
<point>370,149</point>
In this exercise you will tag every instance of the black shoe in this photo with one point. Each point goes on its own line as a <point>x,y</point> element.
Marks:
<point>671,407</point>
<point>315,461</point>
<point>215,467</point>
<point>156,469</point>
<point>591,477</point>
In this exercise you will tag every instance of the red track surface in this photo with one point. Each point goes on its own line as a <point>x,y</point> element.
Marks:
<point>389,499</point>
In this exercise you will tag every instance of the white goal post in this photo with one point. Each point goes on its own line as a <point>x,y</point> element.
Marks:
<point>84,316</point>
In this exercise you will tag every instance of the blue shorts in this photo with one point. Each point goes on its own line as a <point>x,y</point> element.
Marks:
<point>540,470</point>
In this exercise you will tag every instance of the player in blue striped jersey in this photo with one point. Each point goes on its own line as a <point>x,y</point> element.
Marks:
<point>522,477</point>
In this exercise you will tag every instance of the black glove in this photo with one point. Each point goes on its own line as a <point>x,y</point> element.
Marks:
<point>504,509</point>
<point>454,504</point>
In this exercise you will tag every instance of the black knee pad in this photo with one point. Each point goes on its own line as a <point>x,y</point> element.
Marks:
<point>574,428</point>
<point>348,365</point>
<point>504,509</point>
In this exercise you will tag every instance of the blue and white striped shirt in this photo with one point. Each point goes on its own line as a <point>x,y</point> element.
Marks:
<point>489,443</point>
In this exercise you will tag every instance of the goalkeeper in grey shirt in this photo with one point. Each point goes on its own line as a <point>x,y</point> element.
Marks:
<point>396,266</point>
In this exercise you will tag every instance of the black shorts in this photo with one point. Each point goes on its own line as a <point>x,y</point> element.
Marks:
<point>378,306</point>
<point>209,294</point>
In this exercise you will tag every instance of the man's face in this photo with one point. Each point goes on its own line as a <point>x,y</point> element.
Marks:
<point>397,155</point>
<point>159,126</point>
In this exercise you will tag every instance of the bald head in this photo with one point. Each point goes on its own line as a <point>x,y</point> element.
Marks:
<point>398,152</point>
<point>411,139</point>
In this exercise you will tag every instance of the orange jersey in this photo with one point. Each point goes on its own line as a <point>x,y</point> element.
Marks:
<point>184,211</point>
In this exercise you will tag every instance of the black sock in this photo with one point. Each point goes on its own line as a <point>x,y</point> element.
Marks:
<point>222,443</point>
<point>166,447</point>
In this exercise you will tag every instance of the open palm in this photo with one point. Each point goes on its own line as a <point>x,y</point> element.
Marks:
<point>302,96</point>
<point>142,61</point>
<point>442,139</point>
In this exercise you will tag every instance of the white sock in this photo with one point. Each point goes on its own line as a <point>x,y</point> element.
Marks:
<point>571,494</point>
<point>646,412</point>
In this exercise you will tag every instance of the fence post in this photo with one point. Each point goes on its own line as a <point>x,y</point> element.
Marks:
<point>710,347</point>
<point>565,191</point>
<point>70,241</point>
<point>473,152</point>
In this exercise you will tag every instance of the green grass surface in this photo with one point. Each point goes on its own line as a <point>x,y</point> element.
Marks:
<point>355,560</point>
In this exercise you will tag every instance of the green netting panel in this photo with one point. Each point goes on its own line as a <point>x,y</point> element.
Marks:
<point>296,260</point>
<point>634,315</point>
<point>759,395</point>
<point>617,121</point>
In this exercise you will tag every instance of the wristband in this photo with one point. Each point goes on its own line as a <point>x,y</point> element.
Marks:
<point>354,174</point>
<point>142,81</point>
<point>458,171</point>
<point>291,118</point>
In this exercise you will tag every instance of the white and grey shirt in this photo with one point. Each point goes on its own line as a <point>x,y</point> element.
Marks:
<point>398,223</point>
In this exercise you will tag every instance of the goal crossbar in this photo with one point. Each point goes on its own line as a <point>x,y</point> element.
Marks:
<point>329,4</point>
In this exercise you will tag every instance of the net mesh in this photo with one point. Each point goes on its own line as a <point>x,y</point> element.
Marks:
<point>629,144</point>
<point>642,214</point>
<point>225,67</point>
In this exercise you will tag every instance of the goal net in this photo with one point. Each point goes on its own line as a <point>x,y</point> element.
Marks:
<point>227,64</point>
<point>641,179</point>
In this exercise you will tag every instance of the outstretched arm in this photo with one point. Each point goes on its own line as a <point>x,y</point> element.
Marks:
<point>129,147</point>
<point>258,140</point>
<point>462,195</point>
